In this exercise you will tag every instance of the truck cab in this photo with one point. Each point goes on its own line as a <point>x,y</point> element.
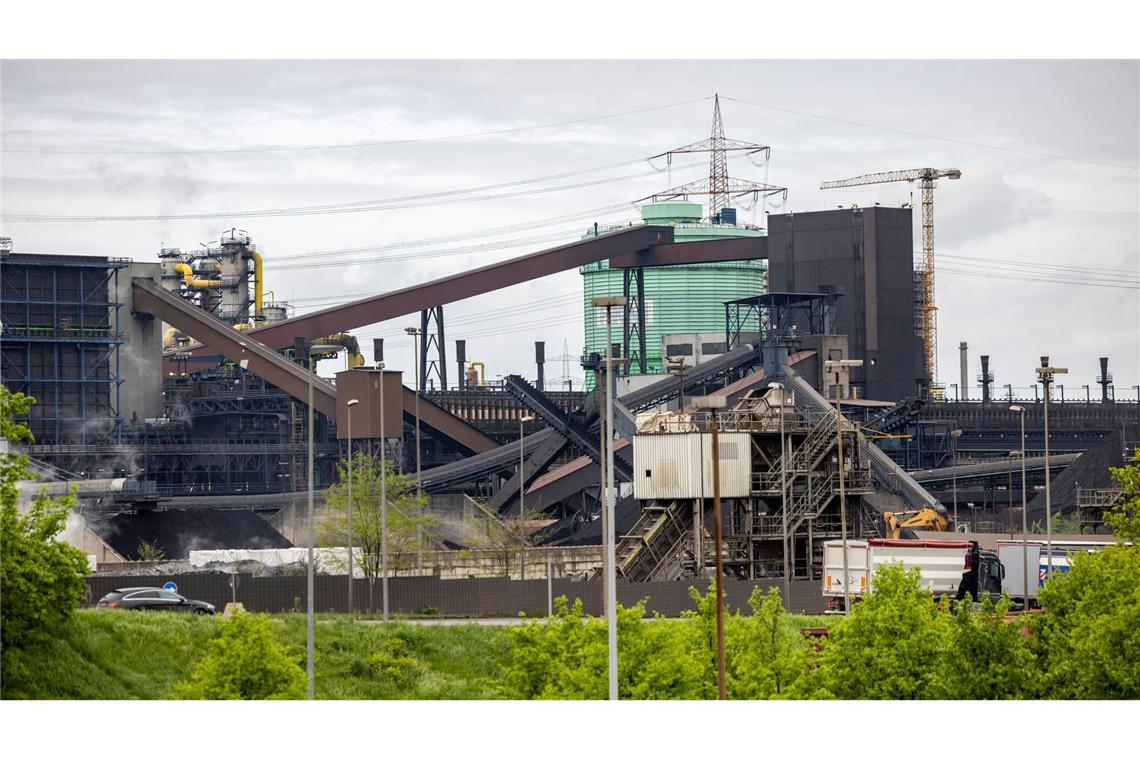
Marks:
<point>982,575</point>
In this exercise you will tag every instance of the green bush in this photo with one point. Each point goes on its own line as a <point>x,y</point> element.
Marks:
<point>245,662</point>
<point>986,657</point>
<point>1089,635</point>
<point>42,577</point>
<point>888,647</point>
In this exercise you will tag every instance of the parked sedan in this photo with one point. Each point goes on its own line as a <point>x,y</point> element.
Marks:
<point>155,599</point>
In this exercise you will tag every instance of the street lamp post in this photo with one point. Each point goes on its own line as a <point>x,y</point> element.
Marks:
<point>383,502</point>
<point>1009,490</point>
<point>1024,516</point>
<point>1046,373</point>
<point>351,403</point>
<point>415,332</point>
<point>310,691</point>
<point>607,303</point>
<point>522,496</point>
<point>839,367</point>
<point>784,493</point>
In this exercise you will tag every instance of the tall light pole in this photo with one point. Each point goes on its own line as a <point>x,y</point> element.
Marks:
<point>522,496</point>
<point>383,500</point>
<point>1009,490</point>
<point>310,691</point>
<point>1045,374</point>
<point>840,367</point>
<point>351,403</point>
<point>954,436</point>
<point>712,403</point>
<point>415,333</point>
<point>1024,512</point>
<point>784,493</point>
<point>607,303</point>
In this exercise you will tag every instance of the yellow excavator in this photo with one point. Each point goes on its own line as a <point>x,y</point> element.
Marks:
<point>921,519</point>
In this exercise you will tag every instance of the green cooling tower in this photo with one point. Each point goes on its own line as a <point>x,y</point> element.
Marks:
<point>678,299</point>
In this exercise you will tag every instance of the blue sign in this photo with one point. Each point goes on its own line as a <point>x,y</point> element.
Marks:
<point>170,586</point>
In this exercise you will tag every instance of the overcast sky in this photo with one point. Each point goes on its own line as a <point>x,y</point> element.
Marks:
<point>1006,233</point>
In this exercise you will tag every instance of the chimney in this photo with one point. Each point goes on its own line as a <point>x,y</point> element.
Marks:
<point>540,360</point>
<point>986,378</point>
<point>1105,379</point>
<point>461,360</point>
<point>964,365</point>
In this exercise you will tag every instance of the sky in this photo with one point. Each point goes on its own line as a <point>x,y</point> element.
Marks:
<point>1037,246</point>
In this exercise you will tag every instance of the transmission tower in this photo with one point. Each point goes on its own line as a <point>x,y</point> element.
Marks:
<point>721,189</point>
<point>718,164</point>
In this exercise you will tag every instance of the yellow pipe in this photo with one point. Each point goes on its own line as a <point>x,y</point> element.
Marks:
<point>350,344</point>
<point>257,283</point>
<point>482,376</point>
<point>193,282</point>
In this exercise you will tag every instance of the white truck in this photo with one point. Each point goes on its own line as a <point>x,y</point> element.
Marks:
<point>952,568</point>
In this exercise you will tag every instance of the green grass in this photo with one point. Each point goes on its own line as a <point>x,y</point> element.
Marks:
<point>108,655</point>
<point>130,655</point>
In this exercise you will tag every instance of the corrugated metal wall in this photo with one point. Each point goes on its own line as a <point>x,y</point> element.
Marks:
<point>679,466</point>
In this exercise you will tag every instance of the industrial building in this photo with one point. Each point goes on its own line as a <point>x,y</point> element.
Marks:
<point>676,299</point>
<point>181,385</point>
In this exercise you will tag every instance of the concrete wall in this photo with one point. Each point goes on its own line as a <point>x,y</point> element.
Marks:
<point>140,358</point>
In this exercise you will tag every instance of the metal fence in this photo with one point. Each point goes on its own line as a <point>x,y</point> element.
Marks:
<point>467,597</point>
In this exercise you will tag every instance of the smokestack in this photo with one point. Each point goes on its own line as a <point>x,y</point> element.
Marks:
<point>377,350</point>
<point>986,379</point>
<point>1105,379</point>
<point>964,365</point>
<point>461,360</point>
<point>540,360</point>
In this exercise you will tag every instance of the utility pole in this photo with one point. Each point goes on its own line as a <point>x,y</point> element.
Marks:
<point>840,367</point>
<point>1045,374</point>
<point>712,403</point>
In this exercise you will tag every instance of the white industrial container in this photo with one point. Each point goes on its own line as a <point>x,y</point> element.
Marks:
<point>940,563</point>
<point>679,465</point>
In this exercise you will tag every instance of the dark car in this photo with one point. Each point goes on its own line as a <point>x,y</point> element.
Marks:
<point>154,599</point>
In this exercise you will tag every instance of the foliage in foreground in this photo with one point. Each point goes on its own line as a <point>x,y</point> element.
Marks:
<point>41,577</point>
<point>131,655</point>
<point>245,662</point>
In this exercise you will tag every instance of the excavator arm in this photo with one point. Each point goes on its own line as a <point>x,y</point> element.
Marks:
<point>922,519</point>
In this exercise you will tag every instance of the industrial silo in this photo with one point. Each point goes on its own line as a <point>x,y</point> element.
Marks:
<point>678,299</point>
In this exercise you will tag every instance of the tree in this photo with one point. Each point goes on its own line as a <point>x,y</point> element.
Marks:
<point>889,646</point>
<point>504,538</point>
<point>566,658</point>
<point>409,523</point>
<point>1089,633</point>
<point>771,655</point>
<point>986,657</point>
<point>42,578</point>
<point>1124,518</point>
<point>245,662</point>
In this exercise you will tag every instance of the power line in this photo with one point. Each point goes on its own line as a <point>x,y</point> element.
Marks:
<point>1041,265</point>
<point>934,137</point>
<point>486,232</point>
<point>1027,278</point>
<point>434,200</point>
<point>371,144</point>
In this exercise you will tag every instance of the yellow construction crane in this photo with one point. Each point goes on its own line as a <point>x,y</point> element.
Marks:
<point>929,323</point>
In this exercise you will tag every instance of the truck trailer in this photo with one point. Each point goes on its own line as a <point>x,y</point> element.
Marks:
<point>953,568</point>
